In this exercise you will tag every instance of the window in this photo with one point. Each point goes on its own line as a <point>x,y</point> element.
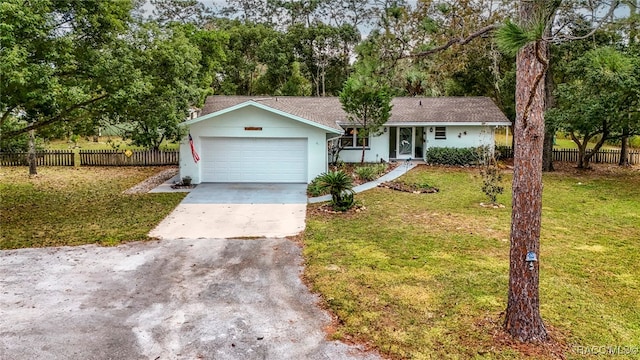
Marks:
<point>351,139</point>
<point>441,133</point>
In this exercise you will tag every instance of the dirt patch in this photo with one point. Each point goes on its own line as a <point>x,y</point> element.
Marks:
<point>492,205</point>
<point>410,188</point>
<point>327,209</point>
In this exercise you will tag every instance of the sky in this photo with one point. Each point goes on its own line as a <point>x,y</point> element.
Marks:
<point>621,12</point>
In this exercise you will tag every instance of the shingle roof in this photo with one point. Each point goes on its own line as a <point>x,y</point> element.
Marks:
<point>328,110</point>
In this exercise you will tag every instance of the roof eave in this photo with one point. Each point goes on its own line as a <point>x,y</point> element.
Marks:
<point>438,123</point>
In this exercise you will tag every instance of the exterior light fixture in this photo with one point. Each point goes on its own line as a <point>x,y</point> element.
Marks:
<point>531,258</point>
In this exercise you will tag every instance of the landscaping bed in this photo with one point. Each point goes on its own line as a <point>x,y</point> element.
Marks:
<point>359,174</point>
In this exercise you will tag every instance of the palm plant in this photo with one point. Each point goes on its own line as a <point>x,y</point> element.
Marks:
<point>340,186</point>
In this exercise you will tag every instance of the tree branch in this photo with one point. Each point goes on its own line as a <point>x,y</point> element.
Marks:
<point>6,114</point>
<point>608,15</point>
<point>534,88</point>
<point>40,124</point>
<point>456,41</point>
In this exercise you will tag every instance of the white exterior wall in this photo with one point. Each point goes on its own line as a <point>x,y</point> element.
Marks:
<point>232,124</point>
<point>379,149</point>
<point>475,136</point>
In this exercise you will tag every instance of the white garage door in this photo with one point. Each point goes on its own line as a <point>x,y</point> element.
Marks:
<point>254,160</point>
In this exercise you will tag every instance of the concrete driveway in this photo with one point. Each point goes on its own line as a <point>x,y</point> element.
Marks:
<point>237,211</point>
<point>171,299</point>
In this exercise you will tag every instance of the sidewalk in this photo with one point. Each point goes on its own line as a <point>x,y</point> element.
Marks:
<point>391,175</point>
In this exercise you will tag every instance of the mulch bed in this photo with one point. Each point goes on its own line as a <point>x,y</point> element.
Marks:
<point>350,168</point>
<point>326,208</point>
<point>410,188</point>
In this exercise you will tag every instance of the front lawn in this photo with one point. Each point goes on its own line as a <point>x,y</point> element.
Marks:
<point>424,276</point>
<point>74,206</point>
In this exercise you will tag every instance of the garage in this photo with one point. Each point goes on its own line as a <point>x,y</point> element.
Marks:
<point>254,160</point>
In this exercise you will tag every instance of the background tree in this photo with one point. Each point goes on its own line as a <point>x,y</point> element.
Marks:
<point>181,11</point>
<point>167,81</point>
<point>243,63</point>
<point>601,100</point>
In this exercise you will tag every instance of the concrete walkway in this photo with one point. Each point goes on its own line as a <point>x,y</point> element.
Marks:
<point>391,175</point>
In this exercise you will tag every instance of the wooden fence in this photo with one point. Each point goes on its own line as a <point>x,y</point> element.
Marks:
<point>43,158</point>
<point>94,158</point>
<point>129,158</point>
<point>607,156</point>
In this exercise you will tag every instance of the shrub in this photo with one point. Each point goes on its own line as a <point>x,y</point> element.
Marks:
<point>452,156</point>
<point>370,172</point>
<point>491,182</point>
<point>340,186</point>
<point>366,173</point>
<point>314,189</point>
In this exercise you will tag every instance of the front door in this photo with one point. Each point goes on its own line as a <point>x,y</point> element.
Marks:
<point>405,143</point>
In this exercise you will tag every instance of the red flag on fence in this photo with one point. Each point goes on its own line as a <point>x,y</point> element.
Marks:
<point>195,155</point>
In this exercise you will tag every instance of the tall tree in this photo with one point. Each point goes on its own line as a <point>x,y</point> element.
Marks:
<point>367,101</point>
<point>52,60</point>
<point>522,317</point>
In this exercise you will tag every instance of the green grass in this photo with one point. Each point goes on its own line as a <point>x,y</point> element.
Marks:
<point>425,276</point>
<point>103,143</point>
<point>561,142</point>
<point>74,206</point>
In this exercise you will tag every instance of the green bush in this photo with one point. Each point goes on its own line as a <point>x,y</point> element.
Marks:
<point>452,156</point>
<point>370,172</point>
<point>315,189</point>
<point>340,186</point>
<point>366,173</point>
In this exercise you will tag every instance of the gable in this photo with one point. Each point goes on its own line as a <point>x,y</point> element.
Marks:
<point>251,112</point>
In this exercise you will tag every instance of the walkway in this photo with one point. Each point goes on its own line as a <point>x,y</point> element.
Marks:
<point>400,170</point>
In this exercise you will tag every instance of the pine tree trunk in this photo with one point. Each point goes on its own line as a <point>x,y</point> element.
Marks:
<point>550,131</point>
<point>522,319</point>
